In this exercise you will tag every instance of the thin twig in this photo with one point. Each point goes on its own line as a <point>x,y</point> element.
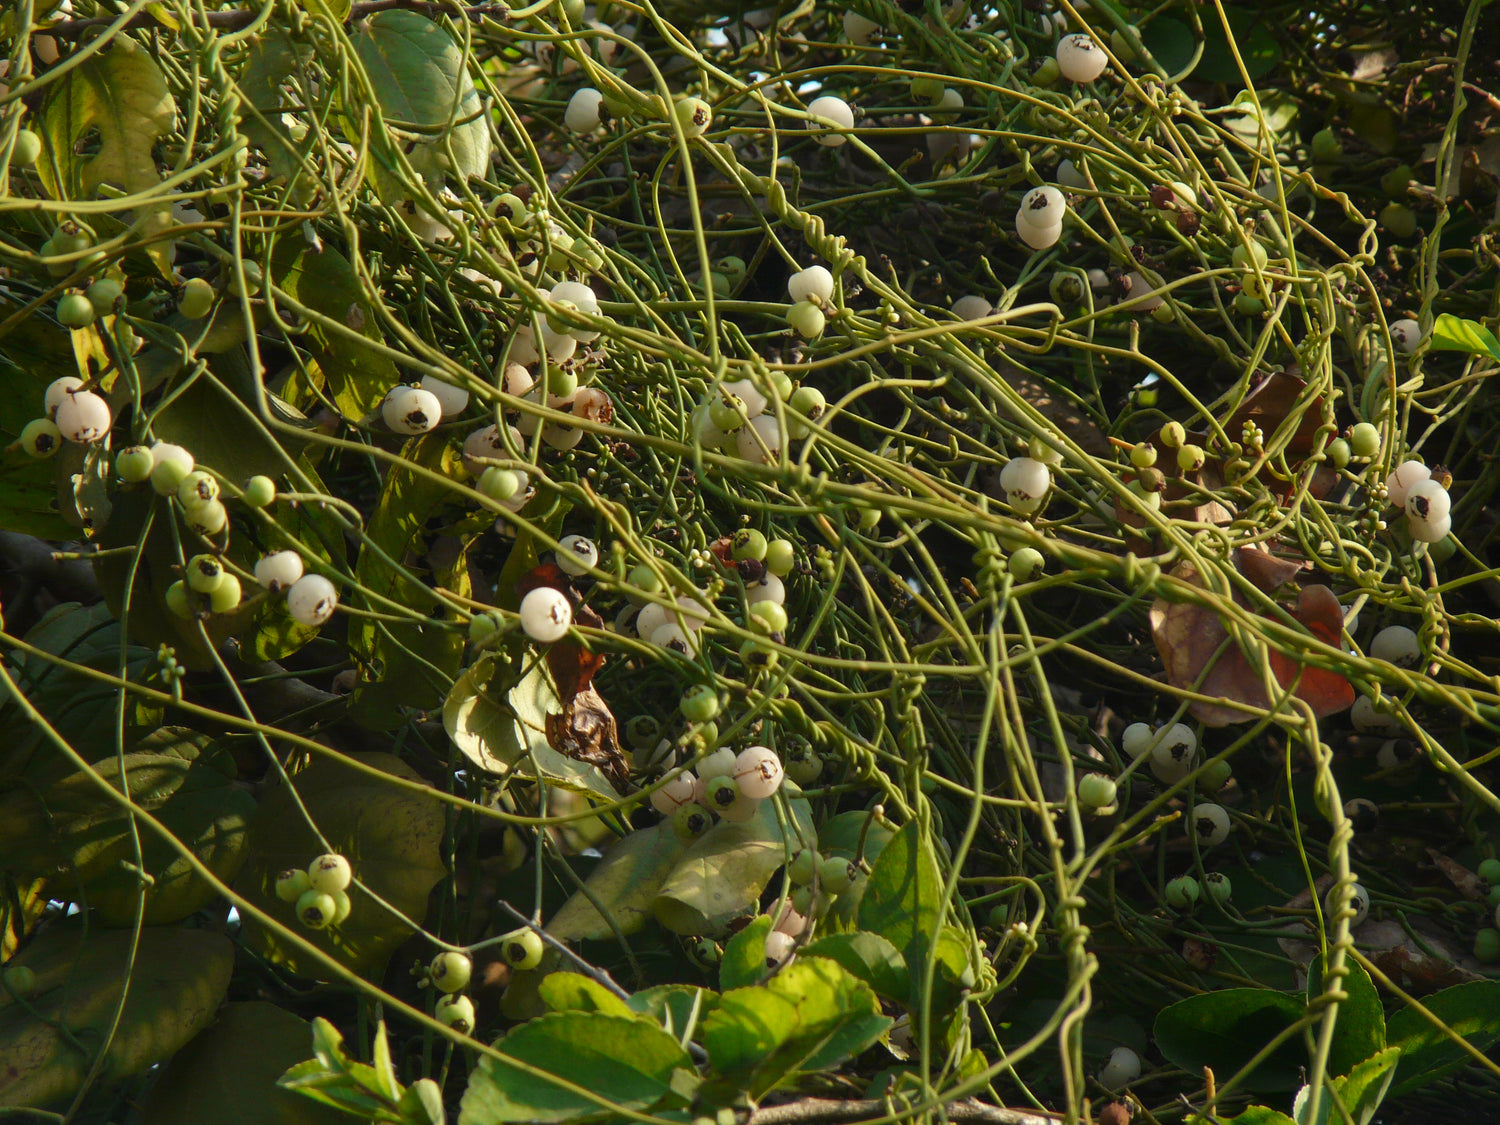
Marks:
<point>233,20</point>
<point>830,1109</point>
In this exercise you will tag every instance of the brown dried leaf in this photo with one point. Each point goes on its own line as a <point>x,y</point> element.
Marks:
<point>1468,884</point>
<point>585,731</point>
<point>573,666</point>
<point>1067,417</point>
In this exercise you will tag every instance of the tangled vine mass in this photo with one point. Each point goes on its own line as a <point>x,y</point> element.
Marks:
<point>680,562</point>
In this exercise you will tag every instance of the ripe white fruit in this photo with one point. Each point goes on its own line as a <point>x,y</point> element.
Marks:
<point>1043,206</point>
<point>779,947</point>
<point>1123,1068</point>
<point>1137,738</point>
<point>1429,531</point>
<point>1177,743</point>
<point>758,772</point>
<point>1398,645</point>
<point>312,599</point>
<point>410,410</point>
<point>1368,719</point>
<point>488,443</point>
<point>584,300</point>
<point>83,416</point>
<point>746,391</point>
<point>1209,823</point>
<point>1359,903</point>
<point>1402,478</point>
<point>831,112</point>
<point>761,441</point>
<point>1427,501</point>
<point>546,614</point>
<point>582,114</point>
<point>768,589</point>
<point>673,636</point>
<point>452,400</point>
<point>279,570</point>
<point>1079,58</point>
<point>1139,285</point>
<point>58,392</point>
<point>576,554</point>
<point>814,283</point>
<point>675,792</point>
<point>972,308</point>
<point>651,618</point>
<point>1038,237</point>
<point>1406,335</point>
<point>1024,482</point>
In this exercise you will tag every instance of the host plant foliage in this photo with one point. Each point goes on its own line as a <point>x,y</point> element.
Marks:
<point>648,561</point>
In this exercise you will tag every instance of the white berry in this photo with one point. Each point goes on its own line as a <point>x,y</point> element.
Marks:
<point>1123,1068</point>
<point>83,416</point>
<point>1427,501</point>
<point>1136,740</point>
<point>582,114</point>
<point>452,401</point>
<point>312,599</point>
<point>1429,531</point>
<point>1024,482</point>
<point>581,297</point>
<point>58,392</point>
<point>831,112</point>
<point>673,636</point>
<point>577,554</point>
<point>279,570</point>
<point>760,442</point>
<point>814,283</point>
<point>1398,645</point>
<point>1080,59</point>
<point>972,308</point>
<point>758,772</point>
<point>1210,823</point>
<point>546,614</point>
<point>779,947</point>
<point>768,589</point>
<point>1401,480</point>
<point>1359,903</point>
<point>1406,335</point>
<point>676,791</point>
<point>410,410</point>
<point>1043,206</point>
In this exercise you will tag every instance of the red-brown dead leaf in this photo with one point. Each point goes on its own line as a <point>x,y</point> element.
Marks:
<point>722,549</point>
<point>573,666</point>
<point>585,731</point>
<point>1191,640</point>
<point>546,574</point>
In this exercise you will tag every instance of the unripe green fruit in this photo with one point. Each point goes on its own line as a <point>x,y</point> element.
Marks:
<point>1364,439</point>
<point>694,115</point>
<point>27,148</point>
<point>167,477</point>
<point>1183,892</point>
<point>1172,435</point>
<point>836,874</point>
<point>74,310</point>
<point>781,556</point>
<point>103,294</point>
<point>177,599</point>
<point>1026,562</point>
<point>803,867</point>
<point>197,488</point>
<point>197,298</point>
<point>343,904</point>
<point>1242,256</point>
<point>41,438</point>
<point>1489,871</point>
<point>252,281</point>
<point>292,884</point>
<point>699,704</point>
<point>767,617</point>
<point>690,821</point>
<point>260,492</point>
<point>1218,887</point>
<point>727,412</point>
<point>1487,946</point>
<point>226,596</point>
<point>755,656</point>
<point>1190,458</point>
<point>748,544</point>
<point>1095,791</point>
<point>1399,219</point>
<point>456,1012</point>
<point>498,484</point>
<point>205,573</point>
<point>484,628</point>
<point>1246,305</point>
<point>522,949</point>
<point>1326,146</point>
<point>1339,453</point>
<point>1214,776</point>
<point>208,517</point>
<point>806,319</point>
<point>1394,182</point>
<point>316,909</point>
<point>20,980</point>
<point>450,972</point>
<point>134,465</point>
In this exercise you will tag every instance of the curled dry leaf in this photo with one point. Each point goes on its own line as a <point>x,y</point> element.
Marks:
<point>1191,639</point>
<point>585,730</point>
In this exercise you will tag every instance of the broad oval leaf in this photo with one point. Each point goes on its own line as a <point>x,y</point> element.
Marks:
<point>1226,1029</point>
<point>1455,334</point>
<point>625,883</point>
<point>1472,1010</point>
<point>177,979</point>
<point>903,898</point>
<point>1359,1032</point>
<point>723,873</point>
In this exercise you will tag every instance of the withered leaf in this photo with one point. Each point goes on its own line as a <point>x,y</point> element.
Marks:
<point>585,731</point>
<point>1191,640</point>
<point>573,666</point>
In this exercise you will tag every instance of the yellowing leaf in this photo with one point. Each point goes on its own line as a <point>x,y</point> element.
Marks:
<point>122,94</point>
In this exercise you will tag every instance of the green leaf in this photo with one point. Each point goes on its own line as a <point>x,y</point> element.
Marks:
<point>671,1005</point>
<point>625,882</point>
<point>1472,1010</point>
<point>722,875</point>
<point>275,58</point>
<point>356,375</point>
<point>744,959</point>
<point>1170,42</point>
<point>619,1058</point>
<point>1360,1092</point>
<point>903,899</point>
<point>406,664</point>
<point>417,74</point>
<point>1253,1115</point>
<point>391,836</point>
<point>810,1015</point>
<point>1253,40</point>
<point>122,94</point>
<point>574,992</point>
<point>236,1061</point>
<point>870,958</point>
<point>1455,334</point>
<point>1226,1029</point>
<point>1360,1030</point>
<point>177,979</point>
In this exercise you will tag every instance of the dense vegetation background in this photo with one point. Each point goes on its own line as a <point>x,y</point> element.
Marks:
<point>821,562</point>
